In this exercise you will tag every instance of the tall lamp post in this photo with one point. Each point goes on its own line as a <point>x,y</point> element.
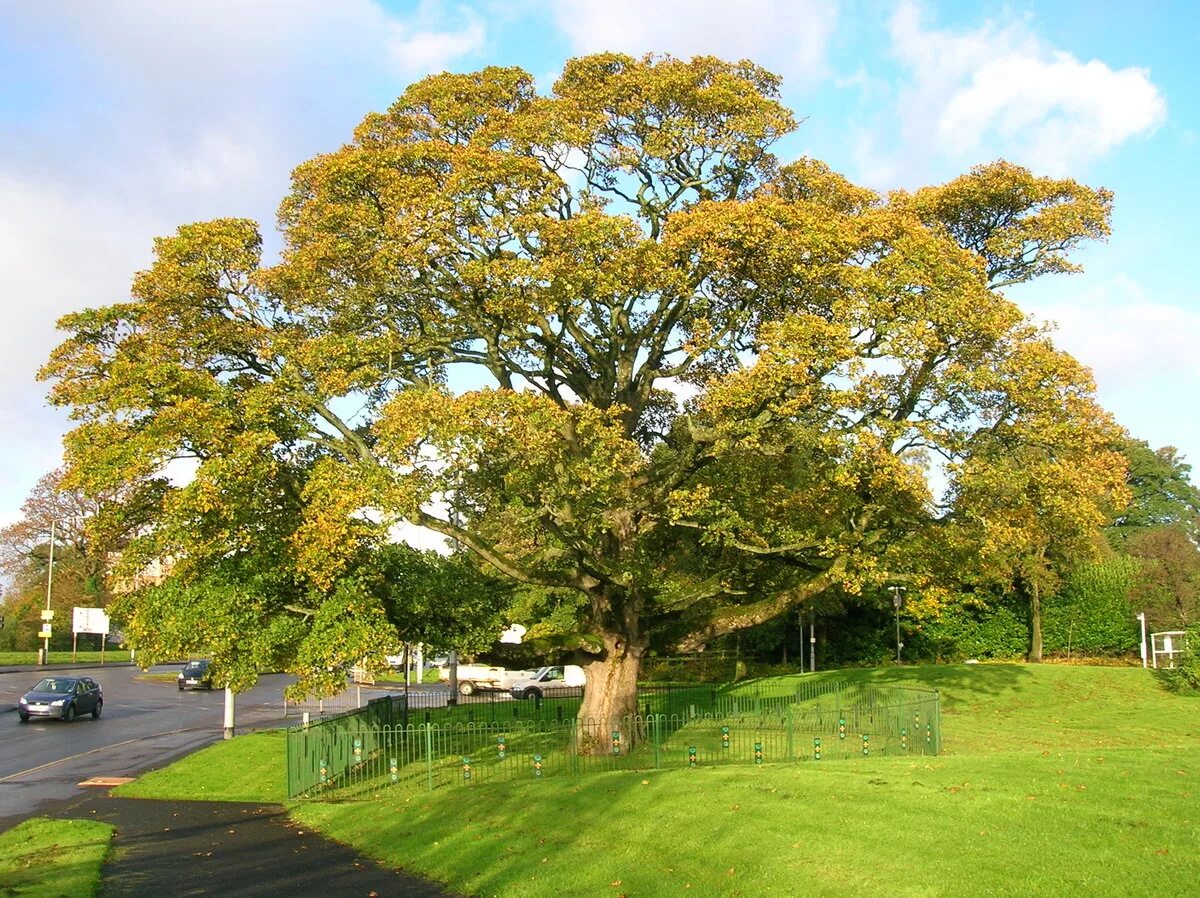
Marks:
<point>46,618</point>
<point>898,602</point>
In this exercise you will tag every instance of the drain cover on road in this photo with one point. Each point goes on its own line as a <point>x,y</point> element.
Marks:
<point>107,781</point>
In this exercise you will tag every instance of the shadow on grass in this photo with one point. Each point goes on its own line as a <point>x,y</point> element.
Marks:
<point>1184,683</point>
<point>955,682</point>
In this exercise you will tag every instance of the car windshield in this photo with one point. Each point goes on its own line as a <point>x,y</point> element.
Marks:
<point>195,666</point>
<point>54,684</point>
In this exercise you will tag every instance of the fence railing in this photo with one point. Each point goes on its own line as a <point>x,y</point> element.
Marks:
<point>360,753</point>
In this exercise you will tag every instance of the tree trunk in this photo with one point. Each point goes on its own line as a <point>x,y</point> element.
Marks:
<point>610,697</point>
<point>1035,622</point>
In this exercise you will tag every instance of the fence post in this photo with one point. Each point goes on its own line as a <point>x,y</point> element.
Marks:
<point>657,735</point>
<point>429,755</point>
<point>575,745</point>
<point>791,731</point>
<point>937,704</point>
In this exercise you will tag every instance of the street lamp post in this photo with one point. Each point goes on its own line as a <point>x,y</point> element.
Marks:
<point>49,584</point>
<point>897,602</point>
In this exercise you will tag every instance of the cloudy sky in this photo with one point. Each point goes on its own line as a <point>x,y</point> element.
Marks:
<point>121,120</point>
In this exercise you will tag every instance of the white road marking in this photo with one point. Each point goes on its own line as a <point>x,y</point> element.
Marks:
<point>82,754</point>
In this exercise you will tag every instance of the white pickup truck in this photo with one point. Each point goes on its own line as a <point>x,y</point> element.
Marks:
<point>475,677</point>
<point>554,682</point>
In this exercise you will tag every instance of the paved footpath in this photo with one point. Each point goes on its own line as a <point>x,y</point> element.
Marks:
<point>198,848</point>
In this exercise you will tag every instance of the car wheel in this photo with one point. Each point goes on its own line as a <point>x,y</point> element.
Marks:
<point>532,694</point>
<point>181,688</point>
<point>24,717</point>
<point>96,710</point>
<point>69,713</point>
<point>466,688</point>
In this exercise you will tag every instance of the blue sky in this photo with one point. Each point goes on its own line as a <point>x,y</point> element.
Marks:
<point>120,121</point>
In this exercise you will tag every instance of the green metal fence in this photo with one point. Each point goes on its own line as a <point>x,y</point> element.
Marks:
<point>359,754</point>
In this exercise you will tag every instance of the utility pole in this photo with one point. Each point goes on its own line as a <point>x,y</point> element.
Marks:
<point>46,618</point>
<point>898,602</point>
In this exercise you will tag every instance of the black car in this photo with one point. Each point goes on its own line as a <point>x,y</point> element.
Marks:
<point>195,675</point>
<point>63,697</point>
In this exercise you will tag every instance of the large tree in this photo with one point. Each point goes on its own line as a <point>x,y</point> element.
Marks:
<point>595,255</point>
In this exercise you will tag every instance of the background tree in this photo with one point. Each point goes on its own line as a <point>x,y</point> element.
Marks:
<point>1168,582</point>
<point>89,532</point>
<point>586,252</point>
<point>1161,494</point>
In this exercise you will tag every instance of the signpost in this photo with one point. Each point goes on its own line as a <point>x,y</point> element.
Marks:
<point>87,620</point>
<point>1142,620</point>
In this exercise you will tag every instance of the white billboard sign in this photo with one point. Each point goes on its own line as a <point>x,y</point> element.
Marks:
<point>89,620</point>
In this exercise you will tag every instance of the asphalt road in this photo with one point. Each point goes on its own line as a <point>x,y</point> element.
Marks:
<point>145,724</point>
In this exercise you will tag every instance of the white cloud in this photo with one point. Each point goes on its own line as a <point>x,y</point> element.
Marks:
<point>430,51</point>
<point>1126,336</point>
<point>790,37</point>
<point>1001,90</point>
<point>147,115</point>
<point>1142,352</point>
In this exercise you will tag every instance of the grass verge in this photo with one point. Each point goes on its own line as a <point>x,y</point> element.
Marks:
<point>43,858</point>
<point>250,767</point>
<point>22,659</point>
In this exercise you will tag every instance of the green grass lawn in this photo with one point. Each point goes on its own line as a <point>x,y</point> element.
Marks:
<point>18,659</point>
<point>1053,779</point>
<point>44,858</point>
<point>246,768</point>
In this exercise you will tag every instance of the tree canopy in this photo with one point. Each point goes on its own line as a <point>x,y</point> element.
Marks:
<point>712,385</point>
<point>1161,493</point>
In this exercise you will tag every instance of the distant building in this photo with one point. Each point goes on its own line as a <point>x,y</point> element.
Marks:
<point>152,574</point>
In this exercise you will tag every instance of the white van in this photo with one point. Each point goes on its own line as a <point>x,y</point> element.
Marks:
<point>552,682</point>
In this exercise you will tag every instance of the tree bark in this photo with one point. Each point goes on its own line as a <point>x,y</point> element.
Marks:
<point>1035,622</point>
<point>610,696</point>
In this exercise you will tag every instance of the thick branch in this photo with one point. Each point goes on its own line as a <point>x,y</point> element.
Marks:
<point>731,618</point>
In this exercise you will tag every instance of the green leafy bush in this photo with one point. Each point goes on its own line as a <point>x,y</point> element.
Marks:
<point>1091,613</point>
<point>972,631</point>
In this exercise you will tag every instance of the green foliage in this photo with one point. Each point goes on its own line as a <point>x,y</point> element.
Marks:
<point>439,600</point>
<point>234,616</point>
<point>999,630</point>
<point>1091,613</point>
<point>1162,493</point>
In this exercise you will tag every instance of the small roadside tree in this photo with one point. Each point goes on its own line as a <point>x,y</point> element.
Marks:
<point>594,253</point>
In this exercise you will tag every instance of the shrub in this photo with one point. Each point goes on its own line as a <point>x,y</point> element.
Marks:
<point>1091,613</point>
<point>962,631</point>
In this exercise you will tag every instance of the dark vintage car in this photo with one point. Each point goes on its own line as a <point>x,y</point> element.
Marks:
<point>62,697</point>
<point>195,675</point>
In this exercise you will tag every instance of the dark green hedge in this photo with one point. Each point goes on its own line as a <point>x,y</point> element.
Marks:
<point>1091,614</point>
